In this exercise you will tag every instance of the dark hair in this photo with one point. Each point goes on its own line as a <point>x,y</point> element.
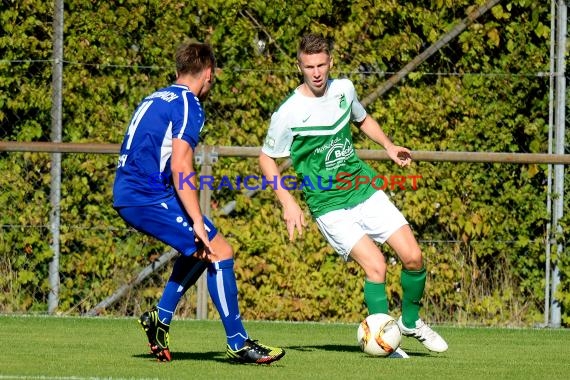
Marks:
<point>313,43</point>
<point>193,57</point>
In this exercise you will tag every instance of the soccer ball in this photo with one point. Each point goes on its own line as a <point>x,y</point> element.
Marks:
<point>379,335</point>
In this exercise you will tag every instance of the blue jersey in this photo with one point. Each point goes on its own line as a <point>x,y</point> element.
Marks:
<point>143,174</point>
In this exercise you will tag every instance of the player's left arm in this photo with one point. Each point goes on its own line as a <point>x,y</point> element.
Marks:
<point>400,155</point>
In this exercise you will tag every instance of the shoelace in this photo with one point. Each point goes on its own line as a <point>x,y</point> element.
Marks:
<point>256,347</point>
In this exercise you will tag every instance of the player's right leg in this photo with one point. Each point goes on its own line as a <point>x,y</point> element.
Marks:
<point>398,354</point>
<point>185,273</point>
<point>157,334</point>
<point>343,231</point>
<point>367,254</point>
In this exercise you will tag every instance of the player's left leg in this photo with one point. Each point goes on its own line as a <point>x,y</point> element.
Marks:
<point>413,276</point>
<point>223,291</point>
<point>169,223</point>
<point>413,279</point>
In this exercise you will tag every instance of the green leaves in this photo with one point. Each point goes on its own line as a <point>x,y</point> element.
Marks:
<point>481,226</point>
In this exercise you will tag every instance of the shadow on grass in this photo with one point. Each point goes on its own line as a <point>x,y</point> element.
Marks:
<point>325,347</point>
<point>221,357</point>
<point>346,348</point>
<point>205,356</point>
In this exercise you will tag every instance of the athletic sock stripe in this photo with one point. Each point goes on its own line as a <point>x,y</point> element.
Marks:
<point>221,291</point>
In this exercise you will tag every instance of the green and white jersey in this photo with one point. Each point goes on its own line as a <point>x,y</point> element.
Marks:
<point>315,133</point>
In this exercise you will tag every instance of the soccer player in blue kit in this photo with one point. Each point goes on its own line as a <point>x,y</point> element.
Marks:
<point>155,191</point>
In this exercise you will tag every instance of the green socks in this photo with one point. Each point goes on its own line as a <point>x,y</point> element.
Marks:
<point>413,283</point>
<point>375,297</point>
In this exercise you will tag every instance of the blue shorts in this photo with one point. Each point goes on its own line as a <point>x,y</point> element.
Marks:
<point>168,222</point>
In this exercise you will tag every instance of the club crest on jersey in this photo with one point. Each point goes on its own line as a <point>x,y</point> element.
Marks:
<point>342,101</point>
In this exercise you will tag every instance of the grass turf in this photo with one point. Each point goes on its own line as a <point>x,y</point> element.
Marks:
<point>37,347</point>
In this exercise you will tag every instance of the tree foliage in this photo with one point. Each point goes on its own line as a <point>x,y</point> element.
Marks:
<point>481,226</point>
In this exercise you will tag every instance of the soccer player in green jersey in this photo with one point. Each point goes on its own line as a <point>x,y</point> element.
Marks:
<point>312,127</point>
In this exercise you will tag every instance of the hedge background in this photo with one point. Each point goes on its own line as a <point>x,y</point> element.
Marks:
<point>481,226</point>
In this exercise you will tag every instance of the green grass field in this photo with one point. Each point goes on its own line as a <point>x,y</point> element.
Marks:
<point>87,348</point>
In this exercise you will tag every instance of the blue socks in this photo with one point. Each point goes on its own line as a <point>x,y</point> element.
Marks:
<point>224,293</point>
<point>187,270</point>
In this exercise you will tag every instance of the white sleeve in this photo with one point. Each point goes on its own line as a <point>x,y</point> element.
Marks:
<point>358,113</point>
<point>279,137</point>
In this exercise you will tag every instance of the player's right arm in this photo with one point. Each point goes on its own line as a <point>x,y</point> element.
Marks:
<point>292,214</point>
<point>278,144</point>
<point>181,163</point>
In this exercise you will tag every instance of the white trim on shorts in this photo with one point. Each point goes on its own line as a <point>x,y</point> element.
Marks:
<point>376,217</point>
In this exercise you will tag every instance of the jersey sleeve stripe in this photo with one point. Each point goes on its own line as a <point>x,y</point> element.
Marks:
<point>185,123</point>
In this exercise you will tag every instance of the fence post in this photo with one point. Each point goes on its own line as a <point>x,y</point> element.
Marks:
<point>55,171</point>
<point>205,157</point>
<point>559,144</point>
